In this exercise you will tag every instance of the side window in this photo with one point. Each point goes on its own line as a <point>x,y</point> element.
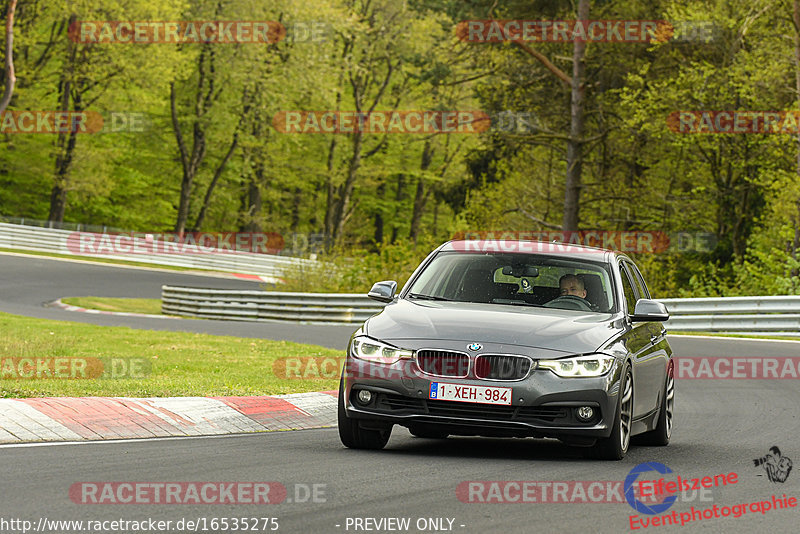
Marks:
<point>636,278</point>
<point>639,281</point>
<point>627,288</point>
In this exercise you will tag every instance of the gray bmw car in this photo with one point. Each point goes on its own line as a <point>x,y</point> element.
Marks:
<point>516,339</point>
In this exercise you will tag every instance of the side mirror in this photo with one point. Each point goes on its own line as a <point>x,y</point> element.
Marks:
<point>649,310</point>
<point>383,291</point>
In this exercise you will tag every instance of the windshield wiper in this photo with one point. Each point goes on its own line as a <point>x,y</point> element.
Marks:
<point>427,297</point>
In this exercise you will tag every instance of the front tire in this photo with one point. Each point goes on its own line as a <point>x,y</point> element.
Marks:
<point>353,435</point>
<point>615,446</point>
<point>661,434</point>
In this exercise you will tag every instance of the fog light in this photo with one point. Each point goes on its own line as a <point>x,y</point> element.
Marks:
<point>585,413</point>
<point>364,396</point>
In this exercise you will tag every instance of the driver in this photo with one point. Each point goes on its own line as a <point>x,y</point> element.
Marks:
<point>572,285</point>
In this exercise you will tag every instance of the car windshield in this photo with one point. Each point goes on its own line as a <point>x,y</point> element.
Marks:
<point>516,280</point>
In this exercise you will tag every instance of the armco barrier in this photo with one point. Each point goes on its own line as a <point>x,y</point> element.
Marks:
<point>15,236</point>
<point>728,314</point>
<point>780,314</point>
<point>249,305</point>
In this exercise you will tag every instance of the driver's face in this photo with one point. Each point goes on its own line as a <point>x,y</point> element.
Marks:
<point>572,287</point>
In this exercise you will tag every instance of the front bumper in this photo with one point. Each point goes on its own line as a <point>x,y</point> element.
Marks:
<point>543,404</point>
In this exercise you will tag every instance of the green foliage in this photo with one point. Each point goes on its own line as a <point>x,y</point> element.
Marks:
<point>355,271</point>
<point>637,173</point>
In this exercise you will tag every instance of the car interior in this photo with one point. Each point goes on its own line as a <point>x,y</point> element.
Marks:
<point>480,284</point>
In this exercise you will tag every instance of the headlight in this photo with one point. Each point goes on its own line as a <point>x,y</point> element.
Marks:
<point>593,365</point>
<point>368,349</point>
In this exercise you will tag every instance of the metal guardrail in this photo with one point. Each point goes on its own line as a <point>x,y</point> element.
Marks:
<point>728,314</point>
<point>249,305</point>
<point>15,236</point>
<point>779,314</point>
<point>733,305</point>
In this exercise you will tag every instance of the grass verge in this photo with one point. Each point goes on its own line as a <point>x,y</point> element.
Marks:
<point>177,363</point>
<point>148,306</point>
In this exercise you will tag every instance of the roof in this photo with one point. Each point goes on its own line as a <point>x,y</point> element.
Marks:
<point>483,246</point>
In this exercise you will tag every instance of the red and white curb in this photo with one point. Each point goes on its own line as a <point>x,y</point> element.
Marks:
<point>256,277</point>
<point>70,307</point>
<point>102,418</point>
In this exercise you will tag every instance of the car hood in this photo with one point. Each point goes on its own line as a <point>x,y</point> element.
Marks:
<point>545,328</point>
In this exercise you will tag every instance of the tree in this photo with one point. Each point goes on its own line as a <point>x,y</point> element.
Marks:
<point>11,79</point>
<point>80,73</point>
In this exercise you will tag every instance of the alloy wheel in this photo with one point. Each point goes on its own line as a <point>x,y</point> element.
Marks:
<point>670,404</point>
<point>626,412</point>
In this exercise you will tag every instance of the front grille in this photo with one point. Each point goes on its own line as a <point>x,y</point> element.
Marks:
<point>471,410</point>
<point>403,405</point>
<point>545,413</point>
<point>502,367</point>
<point>443,363</point>
<point>398,403</point>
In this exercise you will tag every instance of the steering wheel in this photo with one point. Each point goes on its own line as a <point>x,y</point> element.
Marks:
<point>572,302</point>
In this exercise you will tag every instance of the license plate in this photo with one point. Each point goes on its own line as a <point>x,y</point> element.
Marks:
<point>461,393</point>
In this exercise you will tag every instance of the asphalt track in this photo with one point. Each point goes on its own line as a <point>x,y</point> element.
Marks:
<point>29,282</point>
<point>720,427</point>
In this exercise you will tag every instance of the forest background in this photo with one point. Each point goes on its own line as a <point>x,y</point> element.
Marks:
<point>579,140</point>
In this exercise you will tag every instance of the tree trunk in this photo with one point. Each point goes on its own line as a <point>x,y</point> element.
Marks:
<point>254,197</point>
<point>796,241</point>
<point>347,188</point>
<point>251,205</point>
<point>190,162</point>
<point>420,201</point>
<point>378,234</point>
<point>330,200</point>
<point>575,144</point>
<point>11,79</point>
<point>58,195</point>
<point>399,197</point>
<point>58,204</point>
<point>220,169</point>
<point>65,142</point>
<point>297,201</point>
<point>420,197</point>
<point>796,244</point>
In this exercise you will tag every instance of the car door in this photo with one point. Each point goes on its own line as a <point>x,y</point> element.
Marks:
<point>649,360</point>
<point>636,340</point>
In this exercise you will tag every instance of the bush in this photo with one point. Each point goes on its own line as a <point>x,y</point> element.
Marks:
<point>355,270</point>
<point>685,276</point>
<point>667,275</point>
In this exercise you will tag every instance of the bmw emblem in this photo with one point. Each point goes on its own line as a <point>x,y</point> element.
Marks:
<point>474,346</point>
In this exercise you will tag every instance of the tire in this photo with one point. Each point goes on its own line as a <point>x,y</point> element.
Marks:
<point>428,433</point>
<point>615,446</point>
<point>661,434</point>
<point>352,434</point>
